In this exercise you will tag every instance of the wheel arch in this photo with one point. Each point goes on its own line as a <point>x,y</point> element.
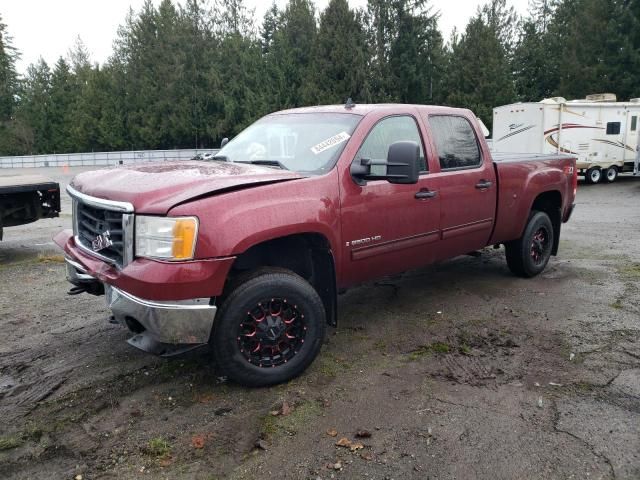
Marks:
<point>550,202</point>
<point>307,254</point>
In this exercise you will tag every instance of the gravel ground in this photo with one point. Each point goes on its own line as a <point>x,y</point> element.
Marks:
<point>459,371</point>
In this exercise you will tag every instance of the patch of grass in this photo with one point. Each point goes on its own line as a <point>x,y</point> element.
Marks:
<point>302,414</point>
<point>617,304</point>
<point>585,387</point>
<point>50,258</point>
<point>331,366</point>
<point>464,349</point>
<point>380,345</point>
<point>435,347</point>
<point>631,271</point>
<point>158,447</point>
<point>7,443</point>
<point>440,347</point>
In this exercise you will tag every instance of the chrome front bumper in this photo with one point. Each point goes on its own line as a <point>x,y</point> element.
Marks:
<point>174,322</point>
<point>165,322</point>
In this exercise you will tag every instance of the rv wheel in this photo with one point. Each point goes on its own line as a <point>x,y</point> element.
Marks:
<point>611,174</point>
<point>594,175</point>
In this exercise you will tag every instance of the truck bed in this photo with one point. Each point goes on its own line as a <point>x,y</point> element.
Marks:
<point>27,198</point>
<point>25,183</point>
<point>509,157</point>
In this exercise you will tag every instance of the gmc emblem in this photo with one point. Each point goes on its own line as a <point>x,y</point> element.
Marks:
<point>102,241</point>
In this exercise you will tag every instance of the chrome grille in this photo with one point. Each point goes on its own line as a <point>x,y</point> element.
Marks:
<point>93,222</point>
<point>93,217</point>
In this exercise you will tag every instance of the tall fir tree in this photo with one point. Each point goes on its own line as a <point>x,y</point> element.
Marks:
<point>290,56</point>
<point>479,71</point>
<point>64,96</point>
<point>33,117</point>
<point>338,69</point>
<point>408,58</point>
<point>8,91</point>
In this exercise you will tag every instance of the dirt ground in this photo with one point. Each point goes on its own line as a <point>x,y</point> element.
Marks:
<point>455,371</point>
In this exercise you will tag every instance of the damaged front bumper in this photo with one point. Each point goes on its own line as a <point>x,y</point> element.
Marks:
<point>161,327</point>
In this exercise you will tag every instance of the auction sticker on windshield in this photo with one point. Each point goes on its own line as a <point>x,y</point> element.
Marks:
<point>330,142</point>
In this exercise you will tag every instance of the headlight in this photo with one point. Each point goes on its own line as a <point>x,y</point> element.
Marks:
<point>166,237</point>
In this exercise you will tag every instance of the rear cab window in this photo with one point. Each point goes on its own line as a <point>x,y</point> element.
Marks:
<point>456,143</point>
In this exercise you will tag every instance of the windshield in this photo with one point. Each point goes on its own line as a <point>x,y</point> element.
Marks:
<point>303,142</point>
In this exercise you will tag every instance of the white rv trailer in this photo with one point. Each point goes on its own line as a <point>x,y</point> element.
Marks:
<point>600,131</point>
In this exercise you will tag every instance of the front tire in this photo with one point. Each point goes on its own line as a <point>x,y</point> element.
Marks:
<point>269,330</point>
<point>593,176</point>
<point>528,256</point>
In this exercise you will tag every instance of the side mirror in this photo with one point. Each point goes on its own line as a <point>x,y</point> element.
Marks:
<point>224,141</point>
<point>403,165</point>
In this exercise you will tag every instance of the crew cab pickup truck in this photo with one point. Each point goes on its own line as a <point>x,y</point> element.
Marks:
<point>247,252</point>
<point>27,198</point>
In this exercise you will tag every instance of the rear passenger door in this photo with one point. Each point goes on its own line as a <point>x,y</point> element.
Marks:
<point>466,184</point>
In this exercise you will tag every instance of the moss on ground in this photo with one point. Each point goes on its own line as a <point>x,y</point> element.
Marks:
<point>7,443</point>
<point>158,447</point>
<point>425,350</point>
<point>303,414</point>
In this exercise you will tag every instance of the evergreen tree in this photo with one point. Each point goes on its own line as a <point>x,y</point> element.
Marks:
<point>33,134</point>
<point>408,57</point>
<point>338,69</point>
<point>201,97</point>
<point>479,71</point>
<point>270,25</point>
<point>240,60</point>
<point>63,93</point>
<point>416,53</point>
<point>8,89</point>
<point>534,64</point>
<point>290,56</point>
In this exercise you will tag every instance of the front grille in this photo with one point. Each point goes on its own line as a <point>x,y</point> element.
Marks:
<point>91,222</point>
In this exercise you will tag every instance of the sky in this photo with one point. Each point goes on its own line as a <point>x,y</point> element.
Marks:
<point>48,28</point>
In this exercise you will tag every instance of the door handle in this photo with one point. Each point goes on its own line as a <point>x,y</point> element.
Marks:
<point>424,194</point>
<point>482,184</point>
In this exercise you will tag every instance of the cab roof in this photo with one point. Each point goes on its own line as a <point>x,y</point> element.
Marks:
<point>364,109</point>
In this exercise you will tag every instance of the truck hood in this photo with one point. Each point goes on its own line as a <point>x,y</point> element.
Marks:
<point>157,187</point>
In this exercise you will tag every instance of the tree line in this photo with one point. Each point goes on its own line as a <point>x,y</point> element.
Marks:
<point>186,75</point>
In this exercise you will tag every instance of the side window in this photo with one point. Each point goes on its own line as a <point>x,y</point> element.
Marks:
<point>455,141</point>
<point>634,123</point>
<point>383,134</point>
<point>613,128</point>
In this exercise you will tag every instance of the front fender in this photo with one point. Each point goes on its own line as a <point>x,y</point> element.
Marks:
<point>233,222</point>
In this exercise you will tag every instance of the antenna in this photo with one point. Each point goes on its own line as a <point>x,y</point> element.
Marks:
<point>349,105</point>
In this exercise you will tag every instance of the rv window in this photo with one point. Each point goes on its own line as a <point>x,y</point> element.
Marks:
<point>455,141</point>
<point>613,128</point>
<point>634,123</point>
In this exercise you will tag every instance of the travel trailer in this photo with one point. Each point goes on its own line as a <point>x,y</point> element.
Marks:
<point>600,131</point>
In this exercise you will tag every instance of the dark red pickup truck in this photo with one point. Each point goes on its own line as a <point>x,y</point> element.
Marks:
<point>248,251</point>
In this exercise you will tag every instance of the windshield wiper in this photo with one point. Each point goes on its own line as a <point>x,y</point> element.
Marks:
<point>267,163</point>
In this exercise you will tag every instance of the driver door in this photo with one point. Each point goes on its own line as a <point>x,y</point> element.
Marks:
<point>388,228</point>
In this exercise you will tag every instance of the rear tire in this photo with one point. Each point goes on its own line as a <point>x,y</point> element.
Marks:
<point>528,256</point>
<point>611,174</point>
<point>593,176</point>
<point>269,330</point>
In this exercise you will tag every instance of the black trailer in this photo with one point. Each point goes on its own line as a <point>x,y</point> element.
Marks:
<point>27,198</point>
